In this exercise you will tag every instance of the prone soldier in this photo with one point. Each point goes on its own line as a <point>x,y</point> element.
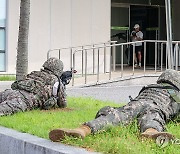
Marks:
<point>42,89</point>
<point>155,105</point>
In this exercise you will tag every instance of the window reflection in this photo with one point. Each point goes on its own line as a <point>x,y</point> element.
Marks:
<point>2,11</point>
<point>2,62</point>
<point>2,39</point>
<point>2,34</point>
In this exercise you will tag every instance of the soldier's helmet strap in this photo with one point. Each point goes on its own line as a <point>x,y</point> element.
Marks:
<point>171,84</point>
<point>58,89</point>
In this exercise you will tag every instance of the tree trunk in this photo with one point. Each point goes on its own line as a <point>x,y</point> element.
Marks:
<point>22,50</point>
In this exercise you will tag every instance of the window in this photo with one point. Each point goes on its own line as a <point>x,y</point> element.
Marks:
<point>143,2</point>
<point>2,34</point>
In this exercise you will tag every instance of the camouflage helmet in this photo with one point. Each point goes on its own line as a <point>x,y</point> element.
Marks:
<point>54,65</point>
<point>170,76</point>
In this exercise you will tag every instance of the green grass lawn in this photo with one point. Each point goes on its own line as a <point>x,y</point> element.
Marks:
<point>7,77</point>
<point>119,139</point>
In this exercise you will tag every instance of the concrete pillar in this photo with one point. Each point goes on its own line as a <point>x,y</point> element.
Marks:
<point>176,17</point>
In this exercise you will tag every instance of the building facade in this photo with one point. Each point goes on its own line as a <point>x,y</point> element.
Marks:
<point>53,24</point>
<point>57,24</point>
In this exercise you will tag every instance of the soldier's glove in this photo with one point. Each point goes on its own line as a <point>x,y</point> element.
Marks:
<point>61,99</point>
<point>50,103</point>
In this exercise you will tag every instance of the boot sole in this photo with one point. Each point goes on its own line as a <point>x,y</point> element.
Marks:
<point>57,135</point>
<point>154,136</point>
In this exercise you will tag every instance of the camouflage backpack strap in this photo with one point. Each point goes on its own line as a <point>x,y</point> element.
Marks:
<point>58,90</point>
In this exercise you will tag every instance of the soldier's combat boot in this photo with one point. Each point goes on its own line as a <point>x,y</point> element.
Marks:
<point>59,134</point>
<point>153,134</point>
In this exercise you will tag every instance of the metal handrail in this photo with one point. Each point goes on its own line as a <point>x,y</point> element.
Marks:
<point>111,46</point>
<point>104,46</point>
<point>64,48</point>
<point>176,54</point>
<point>75,47</point>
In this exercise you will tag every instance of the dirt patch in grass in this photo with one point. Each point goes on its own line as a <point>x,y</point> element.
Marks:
<point>58,110</point>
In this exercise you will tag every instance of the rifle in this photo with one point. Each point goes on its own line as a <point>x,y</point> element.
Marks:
<point>65,79</point>
<point>67,76</point>
<point>120,35</point>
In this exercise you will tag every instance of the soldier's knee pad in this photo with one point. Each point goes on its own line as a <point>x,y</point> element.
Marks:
<point>104,111</point>
<point>152,124</point>
<point>151,119</point>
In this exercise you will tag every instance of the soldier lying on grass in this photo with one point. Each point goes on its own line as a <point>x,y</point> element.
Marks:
<point>155,105</point>
<point>42,89</point>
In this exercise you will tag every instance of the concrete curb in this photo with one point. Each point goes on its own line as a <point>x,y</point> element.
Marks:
<point>14,142</point>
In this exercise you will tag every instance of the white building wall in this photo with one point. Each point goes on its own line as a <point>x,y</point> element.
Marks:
<point>39,33</point>
<point>60,21</point>
<point>12,27</point>
<point>58,24</point>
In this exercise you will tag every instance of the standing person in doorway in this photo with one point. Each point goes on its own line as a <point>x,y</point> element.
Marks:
<point>137,35</point>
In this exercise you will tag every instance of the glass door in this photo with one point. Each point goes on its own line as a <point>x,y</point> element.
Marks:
<point>148,19</point>
<point>120,29</point>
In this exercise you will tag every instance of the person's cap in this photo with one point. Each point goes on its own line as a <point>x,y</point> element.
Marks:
<point>136,26</point>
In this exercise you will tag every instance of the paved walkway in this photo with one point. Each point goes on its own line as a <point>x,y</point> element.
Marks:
<point>127,73</point>
<point>116,90</point>
<point>5,85</point>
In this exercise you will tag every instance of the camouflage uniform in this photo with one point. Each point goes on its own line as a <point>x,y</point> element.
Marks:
<point>153,107</point>
<point>35,91</point>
